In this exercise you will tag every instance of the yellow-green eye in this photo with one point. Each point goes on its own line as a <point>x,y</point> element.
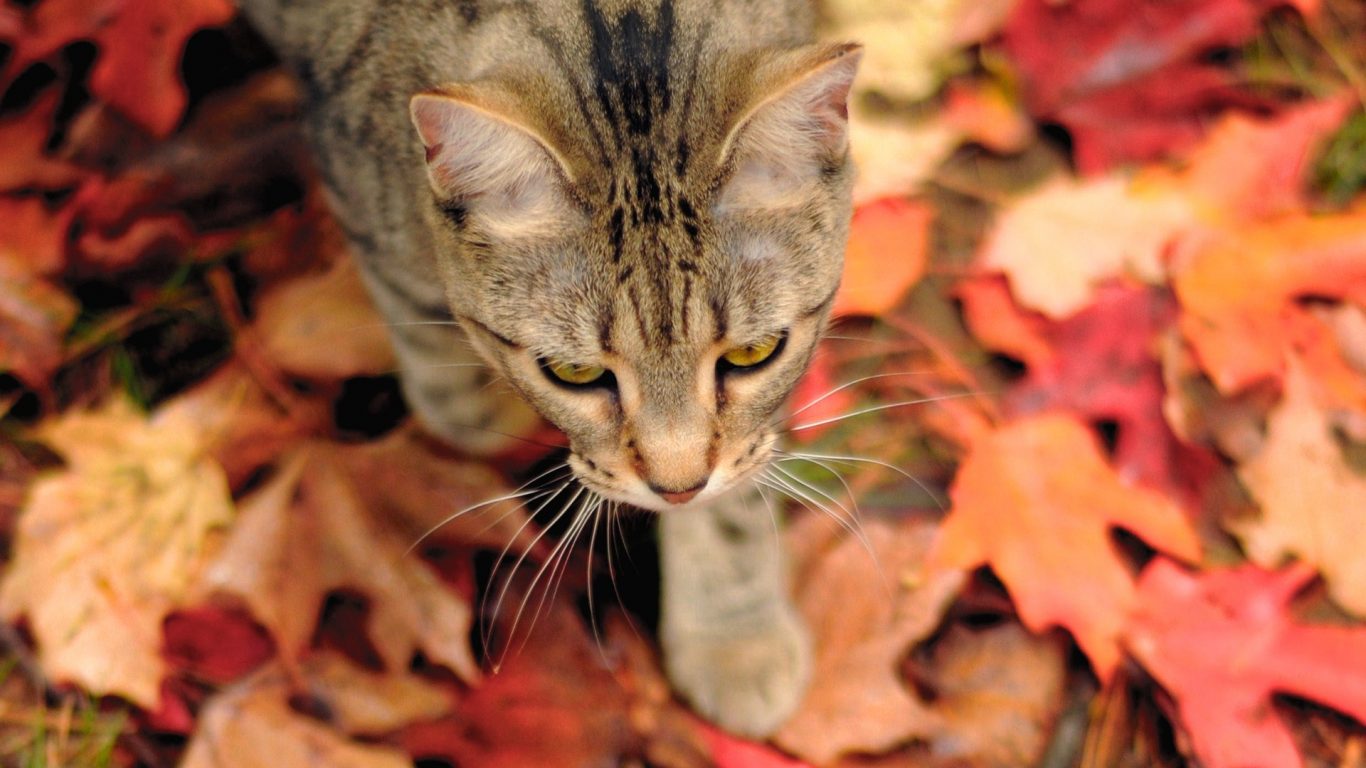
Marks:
<point>751,355</point>
<point>578,374</point>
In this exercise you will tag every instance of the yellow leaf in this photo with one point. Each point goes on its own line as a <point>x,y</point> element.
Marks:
<point>108,546</point>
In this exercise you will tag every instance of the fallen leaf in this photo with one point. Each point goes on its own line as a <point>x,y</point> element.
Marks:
<point>857,700</point>
<point>107,547</point>
<point>910,47</point>
<point>214,644</point>
<point>25,138</point>
<point>1128,86</point>
<point>732,752</point>
<point>34,235</point>
<point>1221,643</point>
<point>1061,241</point>
<point>323,326</point>
<point>1000,324</point>
<point>307,533</point>
<point>1036,501</point>
<point>553,701</point>
<point>886,255</point>
<point>34,318</point>
<point>1313,503</point>
<point>998,691</point>
<point>1316,338</point>
<point>1235,286</point>
<point>894,156</point>
<point>252,725</point>
<point>137,69</point>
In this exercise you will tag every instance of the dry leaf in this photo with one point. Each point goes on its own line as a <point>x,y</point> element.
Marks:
<point>998,691</point>
<point>1313,504</point>
<point>1036,501</point>
<point>108,547</point>
<point>251,725</point>
<point>306,533</point>
<point>1222,643</point>
<point>34,317</point>
<point>1058,243</point>
<point>323,326</point>
<point>866,610</point>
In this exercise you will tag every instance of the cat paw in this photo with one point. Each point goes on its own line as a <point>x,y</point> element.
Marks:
<point>746,681</point>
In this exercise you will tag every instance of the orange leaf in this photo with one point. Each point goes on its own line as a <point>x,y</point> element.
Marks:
<point>24,138</point>
<point>888,248</point>
<point>1036,501</point>
<point>1221,643</point>
<point>1234,290</point>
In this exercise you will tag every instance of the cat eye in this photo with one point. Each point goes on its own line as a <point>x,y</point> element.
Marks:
<point>575,374</point>
<point>754,354</point>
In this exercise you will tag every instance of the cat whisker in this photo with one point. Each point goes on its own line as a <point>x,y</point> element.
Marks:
<point>816,494</point>
<point>453,516</point>
<point>820,458</point>
<point>853,383</point>
<point>877,408</point>
<point>549,495</point>
<point>853,525</point>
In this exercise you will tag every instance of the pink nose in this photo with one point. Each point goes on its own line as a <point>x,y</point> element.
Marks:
<point>679,497</point>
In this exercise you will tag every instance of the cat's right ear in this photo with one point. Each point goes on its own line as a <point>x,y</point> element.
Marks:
<point>485,160</point>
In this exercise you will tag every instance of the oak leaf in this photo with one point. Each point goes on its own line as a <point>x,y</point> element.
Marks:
<point>1036,501</point>
<point>25,138</point>
<point>137,68</point>
<point>108,547</point>
<point>307,533</point>
<point>1235,286</point>
<point>252,725</point>
<point>1313,504</point>
<point>1222,644</point>
<point>857,701</point>
<point>886,255</point>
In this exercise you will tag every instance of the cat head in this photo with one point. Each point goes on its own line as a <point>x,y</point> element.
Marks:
<point>651,269</point>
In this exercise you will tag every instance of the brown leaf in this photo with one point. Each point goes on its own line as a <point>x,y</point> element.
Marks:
<point>251,725</point>
<point>108,547</point>
<point>323,326</point>
<point>308,532</point>
<point>867,609</point>
<point>998,692</point>
<point>34,317</point>
<point>25,138</point>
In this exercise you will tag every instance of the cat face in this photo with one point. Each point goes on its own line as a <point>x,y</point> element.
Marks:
<point>657,302</point>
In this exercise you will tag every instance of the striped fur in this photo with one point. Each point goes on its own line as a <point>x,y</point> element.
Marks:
<point>637,184</point>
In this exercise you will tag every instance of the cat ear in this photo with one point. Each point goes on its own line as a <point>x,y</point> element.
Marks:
<point>484,158</point>
<point>795,129</point>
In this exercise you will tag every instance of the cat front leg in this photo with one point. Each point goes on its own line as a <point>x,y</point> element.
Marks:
<point>734,645</point>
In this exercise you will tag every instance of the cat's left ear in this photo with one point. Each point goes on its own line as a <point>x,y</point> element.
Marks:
<point>794,129</point>
<point>486,158</point>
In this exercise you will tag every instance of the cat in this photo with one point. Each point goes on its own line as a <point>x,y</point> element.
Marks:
<point>635,211</point>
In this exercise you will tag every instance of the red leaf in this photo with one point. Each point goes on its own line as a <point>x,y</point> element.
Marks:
<point>24,138</point>
<point>215,644</point>
<point>137,69</point>
<point>732,752</point>
<point>886,255</point>
<point>1127,82</point>
<point>1222,643</point>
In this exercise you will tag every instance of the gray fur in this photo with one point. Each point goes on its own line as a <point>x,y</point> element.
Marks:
<point>638,184</point>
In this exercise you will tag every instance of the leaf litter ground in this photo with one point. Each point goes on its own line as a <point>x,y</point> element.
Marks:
<point>1105,307</point>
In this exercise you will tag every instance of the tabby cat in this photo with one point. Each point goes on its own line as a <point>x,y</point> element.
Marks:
<point>636,211</point>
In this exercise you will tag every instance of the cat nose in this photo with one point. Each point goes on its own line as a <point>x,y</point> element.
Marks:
<point>679,497</point>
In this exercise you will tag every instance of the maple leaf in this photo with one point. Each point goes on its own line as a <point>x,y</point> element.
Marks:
<point>857,702</point>
<point>1061,241</point>
<point>107,547</point>
<point>137,69</point>
<point>1036,501</point>
<point>1313,504</point>
<point>1128,86</point>
<point>307,533</point>
<point>323,326</point>
<point>1235,286</point>
<point>999,324</point>
<point>1222,643</point>
<point>887,252</point>
<point>252,725</point>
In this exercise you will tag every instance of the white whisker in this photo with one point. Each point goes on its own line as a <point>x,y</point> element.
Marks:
<point>876,408</point>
